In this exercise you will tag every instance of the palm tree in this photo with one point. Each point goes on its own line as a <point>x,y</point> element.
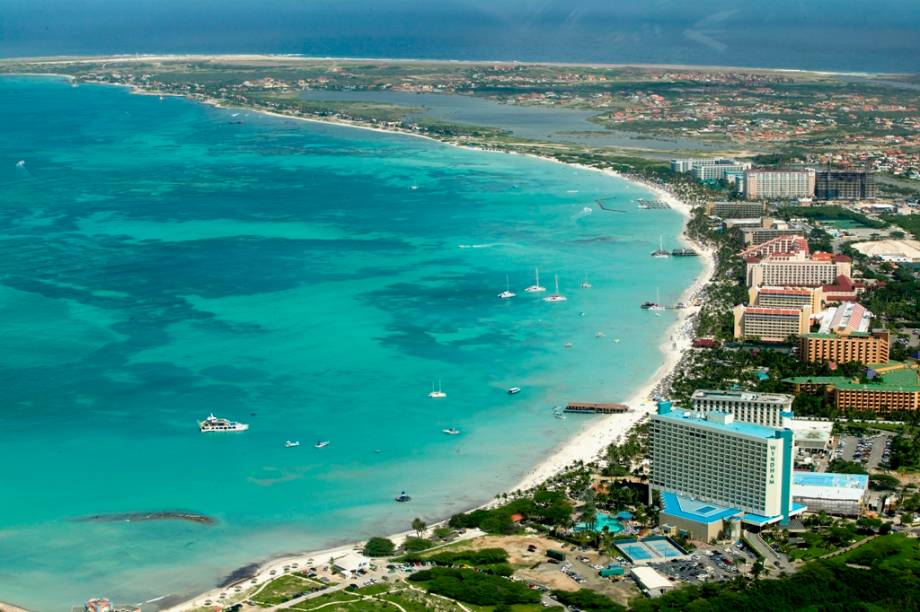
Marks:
<point>419,526</point>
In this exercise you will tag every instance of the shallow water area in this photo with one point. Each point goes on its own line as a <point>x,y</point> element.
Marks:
<point>161,260</point>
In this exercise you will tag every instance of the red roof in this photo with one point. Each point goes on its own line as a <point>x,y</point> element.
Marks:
<point>517,517</point>
<point>771,311</point>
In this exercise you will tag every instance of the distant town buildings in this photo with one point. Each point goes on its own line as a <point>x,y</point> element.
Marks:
<point>772,183</point>
<point>770,324</point>
<point>770,409</point>
<point>844,185</point>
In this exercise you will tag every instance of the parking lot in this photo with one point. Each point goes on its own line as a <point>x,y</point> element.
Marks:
<point>870,450</point>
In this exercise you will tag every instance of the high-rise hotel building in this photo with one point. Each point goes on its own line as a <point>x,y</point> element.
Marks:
<point>769,409</point>
<point>797,269</point>
<point>772,183</point>
<point>717,459</point>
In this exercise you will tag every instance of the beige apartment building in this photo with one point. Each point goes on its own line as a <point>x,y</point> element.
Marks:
<point>864,347</point>
<point>797,270</point>
<point>767,183</point>
<point>771,324</point>
<point>787,297</point>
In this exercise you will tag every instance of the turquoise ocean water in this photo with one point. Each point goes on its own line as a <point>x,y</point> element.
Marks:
<point>160,260</point>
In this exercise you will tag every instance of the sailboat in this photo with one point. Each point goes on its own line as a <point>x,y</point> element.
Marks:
<point>507,293</point>
<point>660,252</point>
<point>535,288</point>
<point>656,305</point>
<point>555,297</point>
<point>439,394</point>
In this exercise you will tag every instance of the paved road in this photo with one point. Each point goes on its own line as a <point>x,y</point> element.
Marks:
<point>774,560</point>
<point>878,447</point>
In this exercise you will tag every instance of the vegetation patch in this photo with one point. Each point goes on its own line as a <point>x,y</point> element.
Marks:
<point>474,587</point>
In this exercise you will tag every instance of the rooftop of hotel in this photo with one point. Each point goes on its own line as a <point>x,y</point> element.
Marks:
<point>747,396</point>
<point>708,512</point>
<point>829,485</point>
<point>786,290</point>
<point>772,311</point>
<point>720,421</point>
<point>901,378</point>
<point>848,317</point>
<point>859,334</point>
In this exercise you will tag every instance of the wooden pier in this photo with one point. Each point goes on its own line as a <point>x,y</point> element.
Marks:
<point>653,204</point>
<point>596,408</point>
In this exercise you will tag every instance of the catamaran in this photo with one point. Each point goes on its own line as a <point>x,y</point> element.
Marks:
<point>507,293</point>
<point>535,288</point>
<point>656,305</point>
<point>660,252</point>
<point>437,394</point>
<point>555,297</point>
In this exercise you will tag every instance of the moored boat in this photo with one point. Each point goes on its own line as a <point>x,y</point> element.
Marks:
<point>216,424</point>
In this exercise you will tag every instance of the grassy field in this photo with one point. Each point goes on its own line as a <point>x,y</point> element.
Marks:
<point>893,551</point>
<point>284,588</point>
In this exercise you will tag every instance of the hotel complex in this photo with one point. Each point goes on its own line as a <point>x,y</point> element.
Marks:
<point>769,409</point>
<point>786,297</point>
<point>894,388</point>
<point>844,185</point>
<point>770,324</point>
<point>864,347</point>
<point>711,469</point>
<point>797,269</point>
<point>768,183</point>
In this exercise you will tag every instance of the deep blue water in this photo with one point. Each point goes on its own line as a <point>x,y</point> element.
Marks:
<point>840,35</point>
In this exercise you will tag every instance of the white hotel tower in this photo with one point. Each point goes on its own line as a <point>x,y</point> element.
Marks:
<point>743,470</point>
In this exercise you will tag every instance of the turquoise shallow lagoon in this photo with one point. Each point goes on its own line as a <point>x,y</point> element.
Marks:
<point>161,260</point>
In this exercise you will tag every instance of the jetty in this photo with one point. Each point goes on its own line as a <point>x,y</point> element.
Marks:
<point>684,253</point>
<point>653,204</point>
<point>596,408</point>
<point>602,206</point>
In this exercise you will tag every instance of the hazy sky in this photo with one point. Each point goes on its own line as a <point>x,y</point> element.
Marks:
<point>860,33</point>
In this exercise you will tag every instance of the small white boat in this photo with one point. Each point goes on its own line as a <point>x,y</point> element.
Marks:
<point>555,297</point>
<point>507,293</point>
<point>559,413</point>
<point>437,393</point>
<point>513,390</point>
<point>536,287</point>
<point>21,163</point>
<point>568,345</point>
<point>585,284</point>
<point>616,340</point>
<point>414,187</point>
<point>599,334</point>
<point>290,444</point>
<point>451,431</point>
<point>321,444</point>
